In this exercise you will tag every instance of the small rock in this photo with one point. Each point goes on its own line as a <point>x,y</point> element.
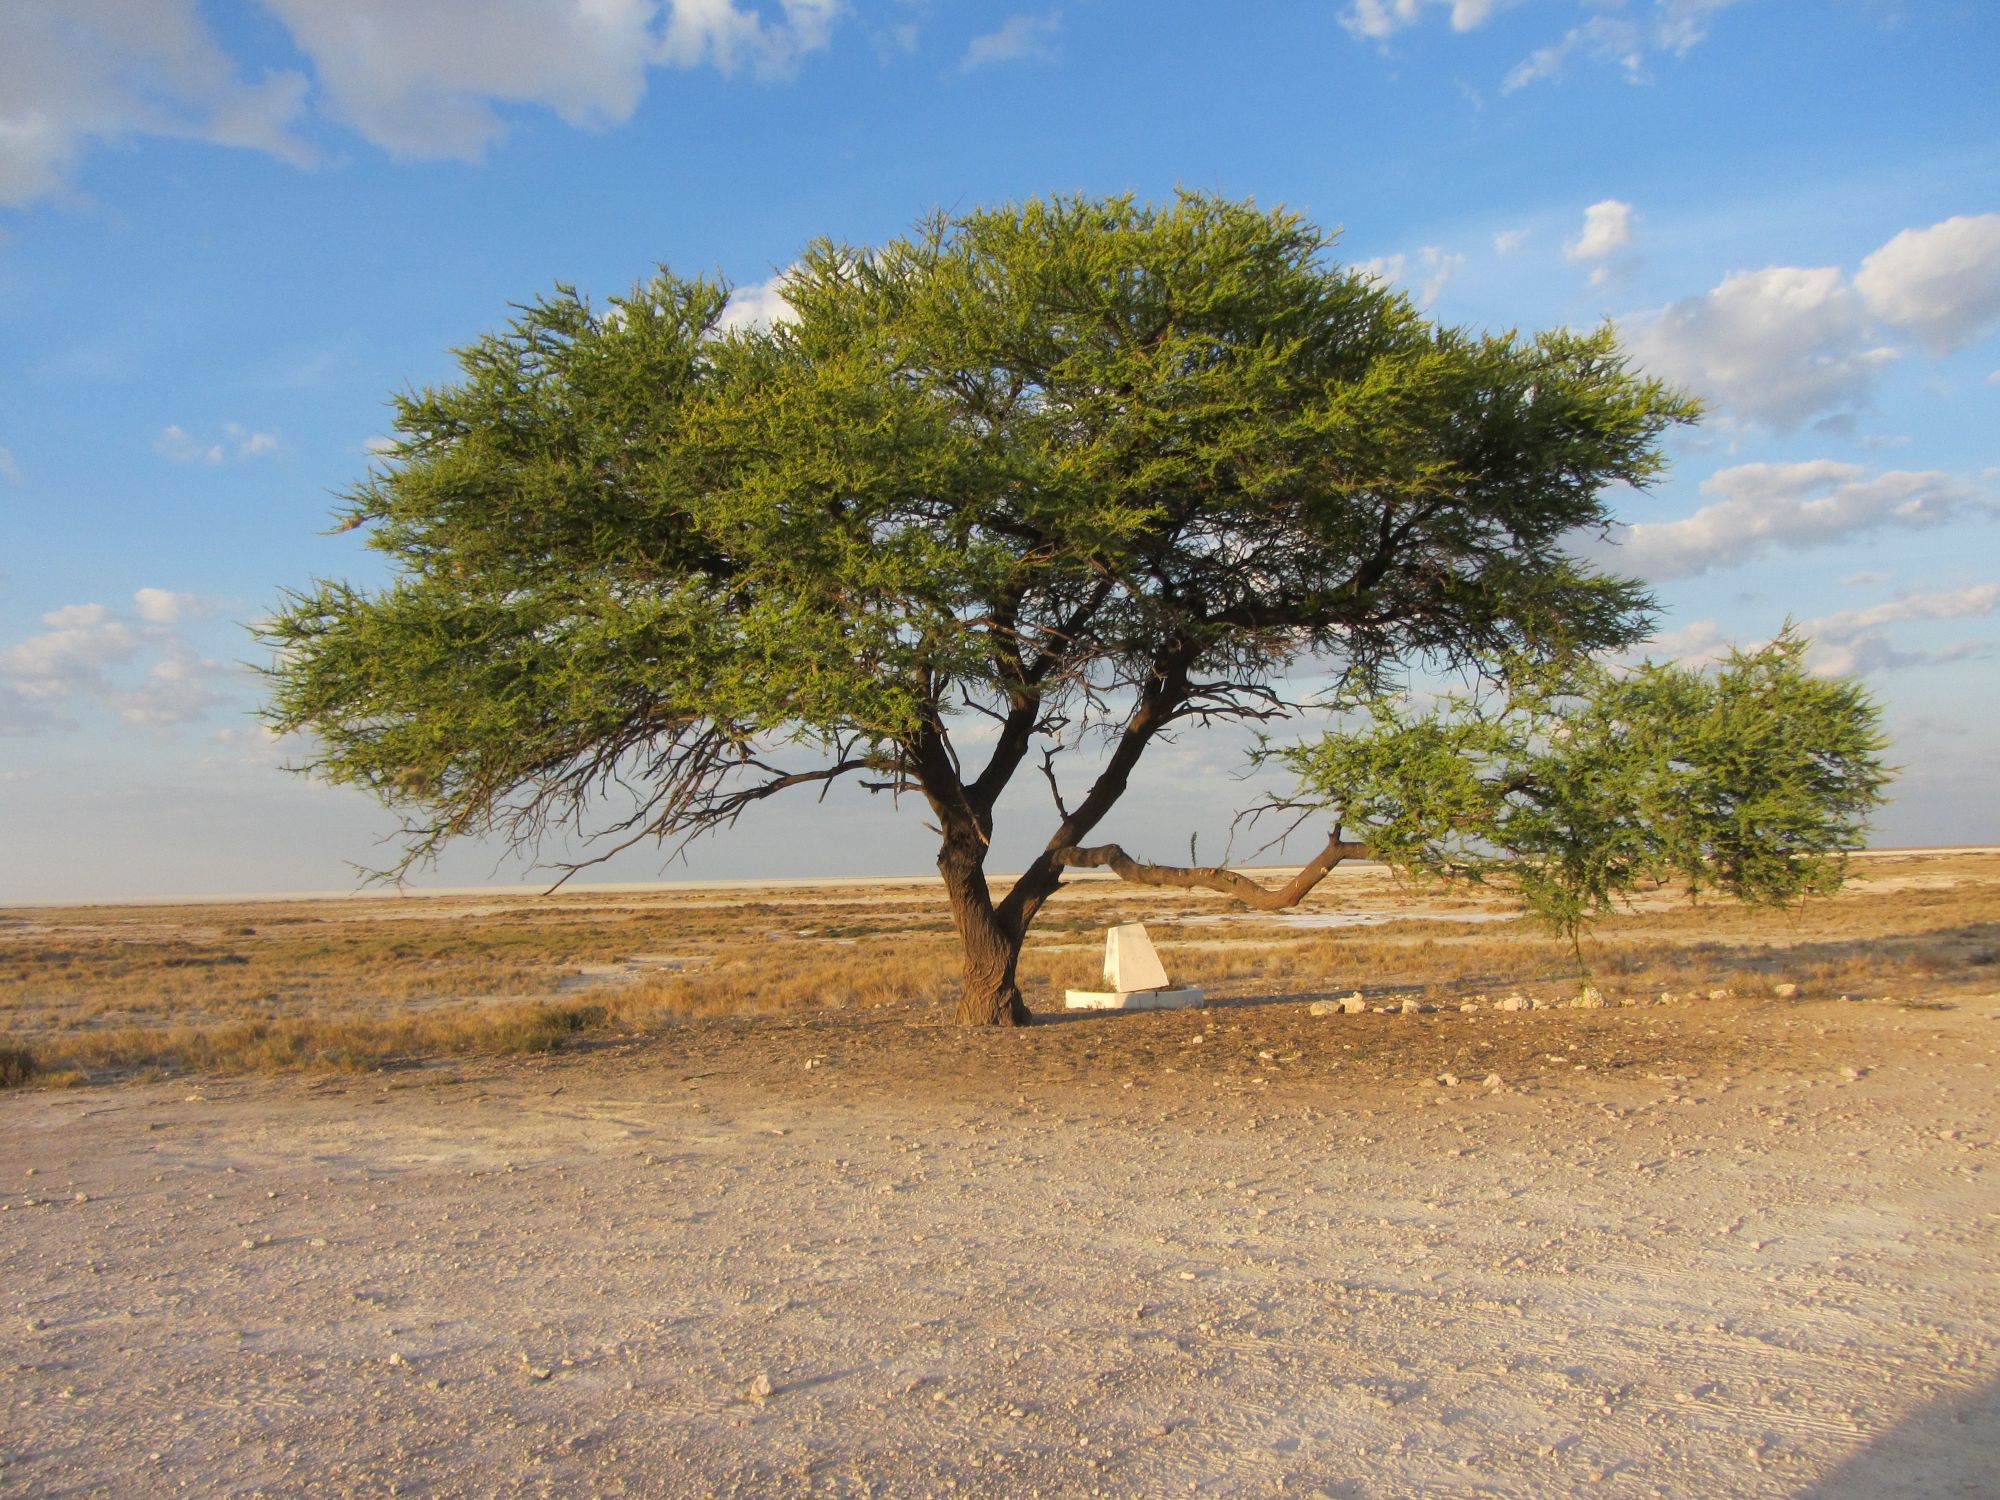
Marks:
<point>538,1372</point>
<point>1449,1080</point>
<point>1587,998</point>
<point>760,1388</point>
<point>1353,1004</point>
<point>1853,1075</point>
<point>1469,1005</point>
<point>81,1198</point>
<point>397,1359</point>
<point>1324,1008</point>
<point>1718,994</point>
<point>1411,1007</point>
<point>1492,1081</point>
<point>1785,991</point>
<point>1511,1002</point>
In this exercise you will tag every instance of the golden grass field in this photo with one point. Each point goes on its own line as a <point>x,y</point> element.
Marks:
<point>96,993</point>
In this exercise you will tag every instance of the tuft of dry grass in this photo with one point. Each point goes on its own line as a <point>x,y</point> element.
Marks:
<point>361,983</point>
<point>17,1066</point>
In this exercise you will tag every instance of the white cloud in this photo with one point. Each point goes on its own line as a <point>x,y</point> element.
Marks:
<point>1864,576</point>
<point>1673,26</point>
<point>1020,38</point>
<point>1942,284</point>
<point>1693,645</point>
<point>1854,642</point>
<point>380,444</point>
<point>1426,277</point>
<point>76,616</point>
<point>1794,506</point>
<point>418,79</point>
<point>1507,241</point>
<point>758,306</point>
<point>1607,226</point>
<point>174,442</point>
<point>83,71</point>
<point>1778,345</point>
<point>1379,19</point>
<point>183,447</point>
<point>164,607</point>
<point>9,469</point>
<point>85,654</point>
<point>249,444</point>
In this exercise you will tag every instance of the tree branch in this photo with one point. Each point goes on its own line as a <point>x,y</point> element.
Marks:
<point>1217,877</point>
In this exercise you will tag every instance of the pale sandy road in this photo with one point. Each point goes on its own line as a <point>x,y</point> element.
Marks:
<point>558,1278</point>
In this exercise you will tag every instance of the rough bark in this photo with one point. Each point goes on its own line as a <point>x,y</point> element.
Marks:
<point>989,993</point>
<point>1216,877</point>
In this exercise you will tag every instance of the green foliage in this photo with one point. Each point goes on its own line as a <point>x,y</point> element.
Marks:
<point>1581,784</point>
<point>1041,462</point>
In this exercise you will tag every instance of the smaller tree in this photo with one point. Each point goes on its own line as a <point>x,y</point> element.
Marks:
<point>1578,784</point>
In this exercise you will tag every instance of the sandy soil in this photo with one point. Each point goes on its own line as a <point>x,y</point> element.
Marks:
<point>1735,1248</point>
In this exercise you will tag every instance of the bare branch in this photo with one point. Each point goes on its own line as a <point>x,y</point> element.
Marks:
<point>1217,877</point>
<point>1055,791</point>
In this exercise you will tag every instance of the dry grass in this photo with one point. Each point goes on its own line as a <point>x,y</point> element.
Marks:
<point>352,984</point>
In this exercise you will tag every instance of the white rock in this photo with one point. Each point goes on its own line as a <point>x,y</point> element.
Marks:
<point>1353,1004</point>
<point>1324,1008</point>
<point>1784,991</point>
<point>1511,1002</point>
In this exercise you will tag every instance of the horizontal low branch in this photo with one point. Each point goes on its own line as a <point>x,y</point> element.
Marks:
<point>1216,877</point>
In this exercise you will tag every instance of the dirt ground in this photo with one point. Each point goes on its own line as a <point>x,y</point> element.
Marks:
<point>1731,1247</point>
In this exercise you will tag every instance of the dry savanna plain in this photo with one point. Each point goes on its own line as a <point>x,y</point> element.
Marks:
<point>697,1191</point>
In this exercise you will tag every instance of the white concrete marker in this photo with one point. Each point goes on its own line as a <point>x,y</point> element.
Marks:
<point>1137,978</point>
<point>1130,960</point>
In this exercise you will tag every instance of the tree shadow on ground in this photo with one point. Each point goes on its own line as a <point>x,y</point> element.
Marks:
<point>1947,1449</point>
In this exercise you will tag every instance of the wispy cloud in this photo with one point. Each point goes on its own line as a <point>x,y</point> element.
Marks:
<point>1425,276</point>
<point>1856,642</point>
<point>1758,508</point>
<point>418,80</point>
<point>89,653</point>
<point>1020,38</point>
<point>177,444</point>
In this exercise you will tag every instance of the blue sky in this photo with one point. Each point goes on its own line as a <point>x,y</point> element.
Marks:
<point>229,230</point>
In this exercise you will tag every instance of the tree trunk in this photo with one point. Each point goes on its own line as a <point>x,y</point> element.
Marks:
<point>988,994</point>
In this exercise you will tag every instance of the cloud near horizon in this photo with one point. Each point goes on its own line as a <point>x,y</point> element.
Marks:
<point>87,653</point>
<point>1760,507</point>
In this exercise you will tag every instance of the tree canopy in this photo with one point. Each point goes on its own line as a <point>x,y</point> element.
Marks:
<point>1580,784</point>
<point>1069,465</point>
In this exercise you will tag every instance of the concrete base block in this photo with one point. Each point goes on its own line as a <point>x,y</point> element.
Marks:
<point>1172,999</point>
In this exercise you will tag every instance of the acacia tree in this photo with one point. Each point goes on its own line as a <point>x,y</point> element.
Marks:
<point>1065,466</point>
<point>1576,784</point>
